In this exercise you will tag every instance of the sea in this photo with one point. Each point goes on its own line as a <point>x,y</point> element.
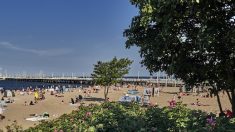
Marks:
<point>18,85</point>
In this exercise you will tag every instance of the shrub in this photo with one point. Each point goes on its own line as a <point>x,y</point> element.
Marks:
<point>132,117</point>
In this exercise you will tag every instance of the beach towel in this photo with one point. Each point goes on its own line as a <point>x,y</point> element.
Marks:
<point>73,104</point>
<point>38,118</point>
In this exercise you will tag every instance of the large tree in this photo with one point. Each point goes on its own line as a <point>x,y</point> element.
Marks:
<point>110,72</point>
<point>192,39</point>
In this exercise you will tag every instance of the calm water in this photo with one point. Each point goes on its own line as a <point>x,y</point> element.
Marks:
<point>8,84</point>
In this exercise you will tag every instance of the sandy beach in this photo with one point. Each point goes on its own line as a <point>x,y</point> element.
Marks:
<point>57,106</point>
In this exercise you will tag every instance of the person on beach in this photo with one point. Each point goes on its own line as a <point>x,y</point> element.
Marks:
<point>9,100</point>
<point>72,101</point>
<point>89,93</point>
<point>43,97</point>
<point>153,89</point>
<point>36,96</point>
<point>63,89</point>
<point>136,87</point>
<point>25,103</point>
<point>85,92</point>
<point>180,89</point>
<point>1,114</point>
<point>2,91</point>
<point>57,89</point>
<point>198,103</point>
<point>207,95</point>
<point>108,100</point>
<point>79,98</point>
<point>62,101</point>
<point>31,103</point>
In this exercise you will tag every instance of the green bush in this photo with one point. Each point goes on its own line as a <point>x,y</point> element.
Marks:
<point>118,117</point>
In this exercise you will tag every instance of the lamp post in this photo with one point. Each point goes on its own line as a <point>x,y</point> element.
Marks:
<point>138,75</point>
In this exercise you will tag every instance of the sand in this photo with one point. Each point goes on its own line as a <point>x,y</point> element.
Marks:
<point>55,107</point>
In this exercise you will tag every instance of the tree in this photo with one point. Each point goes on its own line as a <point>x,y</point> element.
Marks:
<point>192,39</point>
<point>109,73</point>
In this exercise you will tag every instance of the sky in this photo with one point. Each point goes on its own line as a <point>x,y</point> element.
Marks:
<point>64,36</point>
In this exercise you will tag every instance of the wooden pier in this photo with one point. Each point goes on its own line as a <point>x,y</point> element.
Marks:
<point>89,81</point>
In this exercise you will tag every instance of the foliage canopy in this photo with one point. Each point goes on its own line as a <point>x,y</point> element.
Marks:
<point>109,73</point>
<point>192,39</point>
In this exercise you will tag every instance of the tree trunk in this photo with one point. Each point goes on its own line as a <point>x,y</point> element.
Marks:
<point>233,101</point>
<point>229,96</point>
<point>219,103</point>
<point>106,91</point>
<point>216,92</point>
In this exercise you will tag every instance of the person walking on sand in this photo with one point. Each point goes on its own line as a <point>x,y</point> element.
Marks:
<point>36,96</point>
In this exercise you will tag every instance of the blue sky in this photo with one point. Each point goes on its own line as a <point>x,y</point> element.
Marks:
<point>64,36</point>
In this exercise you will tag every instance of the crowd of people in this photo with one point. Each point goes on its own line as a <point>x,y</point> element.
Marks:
<point>149,90</point>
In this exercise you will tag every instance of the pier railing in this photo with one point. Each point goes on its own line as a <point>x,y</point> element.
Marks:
<point>166,81</point>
